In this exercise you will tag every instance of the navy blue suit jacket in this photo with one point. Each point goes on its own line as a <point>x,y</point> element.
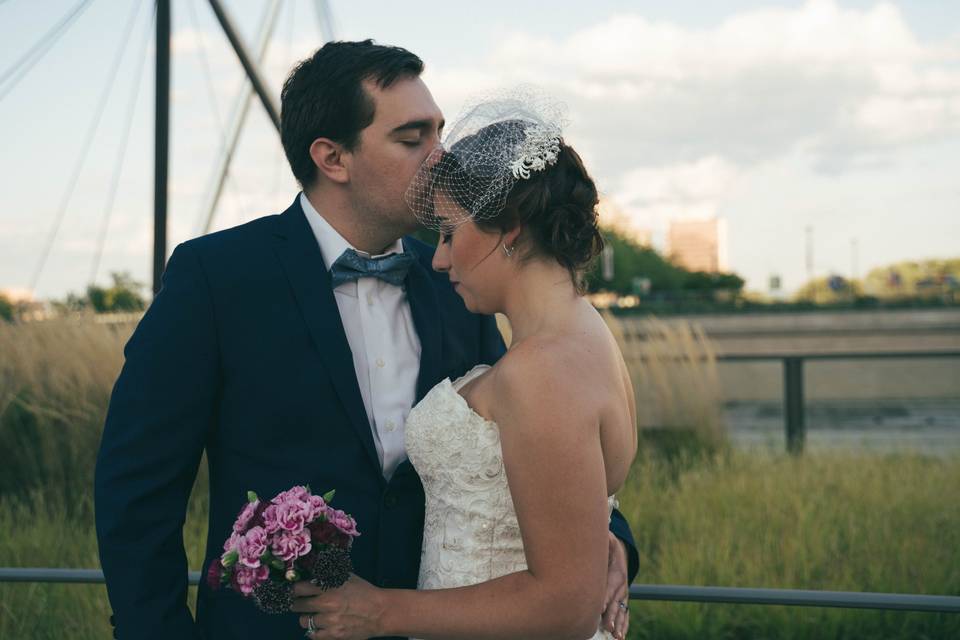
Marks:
<point>243,355</point>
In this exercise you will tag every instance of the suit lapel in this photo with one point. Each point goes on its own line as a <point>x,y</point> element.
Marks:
<point>296,247</point>
<point>425,309</point>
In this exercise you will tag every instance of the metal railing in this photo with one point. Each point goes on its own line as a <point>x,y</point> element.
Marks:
<point>793,394</point>
<point>674,593</point>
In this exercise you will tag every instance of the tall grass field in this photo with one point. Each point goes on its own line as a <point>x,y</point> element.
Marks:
<point>702,514</point>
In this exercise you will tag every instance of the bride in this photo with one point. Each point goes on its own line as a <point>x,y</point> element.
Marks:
<point>519,461</point>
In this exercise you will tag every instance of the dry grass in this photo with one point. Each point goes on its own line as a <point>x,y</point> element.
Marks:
<point>828,521</point>
<point>674,370</point>
<point>55,383</point>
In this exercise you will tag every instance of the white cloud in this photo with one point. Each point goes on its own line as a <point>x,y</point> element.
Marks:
<point>841,83</point>
<point>656,194</point>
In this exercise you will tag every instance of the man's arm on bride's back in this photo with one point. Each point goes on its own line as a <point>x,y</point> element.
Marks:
<point>160,411</point>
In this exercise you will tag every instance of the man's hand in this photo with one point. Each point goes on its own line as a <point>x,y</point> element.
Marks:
<point>351,612</point>
<point>616,612</point>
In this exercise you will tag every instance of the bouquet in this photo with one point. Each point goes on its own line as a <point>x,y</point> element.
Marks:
<point>295,536</point>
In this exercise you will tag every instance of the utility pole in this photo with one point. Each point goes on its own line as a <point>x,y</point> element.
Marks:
<point>161,146</point>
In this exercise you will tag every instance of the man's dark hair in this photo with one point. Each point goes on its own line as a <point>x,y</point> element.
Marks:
<point>323,97</point>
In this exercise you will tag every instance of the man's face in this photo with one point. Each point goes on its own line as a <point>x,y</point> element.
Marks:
<point>406,127</point>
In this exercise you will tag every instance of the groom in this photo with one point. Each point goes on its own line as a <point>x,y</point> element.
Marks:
<point>273,348</point>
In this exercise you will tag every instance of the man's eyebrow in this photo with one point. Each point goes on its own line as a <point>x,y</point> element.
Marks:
<point>416,124</point>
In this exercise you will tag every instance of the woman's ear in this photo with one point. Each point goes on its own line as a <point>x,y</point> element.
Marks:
<point>329,158</point>
<point>510,237</point>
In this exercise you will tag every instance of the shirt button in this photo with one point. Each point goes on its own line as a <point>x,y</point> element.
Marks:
<point>391,425</point>
<point>380,363</point>
<point>370,298</point>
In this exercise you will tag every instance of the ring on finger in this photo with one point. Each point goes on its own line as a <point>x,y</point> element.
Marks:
<point>623,606</point>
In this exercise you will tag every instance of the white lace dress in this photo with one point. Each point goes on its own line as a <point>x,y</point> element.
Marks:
<point>470,531</point>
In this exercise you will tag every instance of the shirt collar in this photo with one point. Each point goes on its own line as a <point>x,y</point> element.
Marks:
<point>332,244</point>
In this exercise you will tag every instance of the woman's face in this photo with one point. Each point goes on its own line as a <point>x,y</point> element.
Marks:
<point>468,255</point>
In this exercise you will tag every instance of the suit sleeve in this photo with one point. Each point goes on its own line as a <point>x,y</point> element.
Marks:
<point>491,349</point>
<point>492,346</point>
<point>621,528</point>
<point>161,410</point>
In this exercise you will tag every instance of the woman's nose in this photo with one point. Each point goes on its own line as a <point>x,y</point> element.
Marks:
<point>440,262</point>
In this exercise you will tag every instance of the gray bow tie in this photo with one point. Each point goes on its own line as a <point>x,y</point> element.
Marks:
<point>351,265</point>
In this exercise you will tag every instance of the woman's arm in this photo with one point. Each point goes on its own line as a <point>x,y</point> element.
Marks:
<point>554,465</point>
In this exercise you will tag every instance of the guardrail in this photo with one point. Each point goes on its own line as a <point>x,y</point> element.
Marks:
<point>675,593</point>
<point>793,401</point>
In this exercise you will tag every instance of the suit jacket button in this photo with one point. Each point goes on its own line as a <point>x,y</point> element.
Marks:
<point>390,501</point>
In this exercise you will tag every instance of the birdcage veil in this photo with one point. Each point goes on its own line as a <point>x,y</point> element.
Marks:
<point>496,141</point>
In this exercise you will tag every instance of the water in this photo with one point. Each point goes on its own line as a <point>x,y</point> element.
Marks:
<point>926,426</point>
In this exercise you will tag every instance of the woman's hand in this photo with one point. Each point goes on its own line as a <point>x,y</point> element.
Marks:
<point>350,612</point>
<point>616,612</point>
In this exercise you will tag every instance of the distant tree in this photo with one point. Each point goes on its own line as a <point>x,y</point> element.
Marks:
<point>630,262</point>
<point>829,290</point>
<point>704,281</point>
<point>924,278</point>
<point>123,296</point>
<point>6,308</point>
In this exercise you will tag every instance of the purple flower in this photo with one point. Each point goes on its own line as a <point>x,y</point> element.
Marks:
<point>290,546</point>
<point>243,520</point>
<point>251,546</point>
<point>246,579</point>
<point>214,572</point>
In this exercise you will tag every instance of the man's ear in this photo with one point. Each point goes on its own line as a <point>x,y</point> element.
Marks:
<point>328,157</point>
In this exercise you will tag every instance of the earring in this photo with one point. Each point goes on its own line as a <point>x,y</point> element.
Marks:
<point>508,252</point>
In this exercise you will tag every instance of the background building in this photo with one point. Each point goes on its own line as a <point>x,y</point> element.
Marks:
<point>699,245</point>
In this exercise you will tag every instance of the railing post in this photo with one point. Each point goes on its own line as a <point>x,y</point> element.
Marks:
<point>793,403</point>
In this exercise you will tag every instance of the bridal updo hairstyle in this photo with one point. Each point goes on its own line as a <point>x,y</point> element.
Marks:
<point>556,206</point>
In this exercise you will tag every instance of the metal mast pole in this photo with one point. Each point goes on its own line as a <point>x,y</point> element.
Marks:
<point>240,112</point>
<point>248,65</point>
<point>162,140</point>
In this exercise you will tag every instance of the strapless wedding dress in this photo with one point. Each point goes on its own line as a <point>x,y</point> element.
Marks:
<point>470,531</point>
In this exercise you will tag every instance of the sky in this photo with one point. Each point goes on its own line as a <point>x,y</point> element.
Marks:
<point>841,116</point>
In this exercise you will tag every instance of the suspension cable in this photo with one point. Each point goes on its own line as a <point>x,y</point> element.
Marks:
<point>125,138</point>
<point>19,69</point>
<point>84,149</point>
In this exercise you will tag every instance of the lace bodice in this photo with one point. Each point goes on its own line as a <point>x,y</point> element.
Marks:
<point>470,531</point>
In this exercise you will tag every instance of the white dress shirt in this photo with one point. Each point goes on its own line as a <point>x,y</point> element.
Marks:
<point>386,349</point>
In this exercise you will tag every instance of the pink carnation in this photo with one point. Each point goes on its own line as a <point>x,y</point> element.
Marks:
<point>294,494</point>
<point>290,546</point>
<point>246,579</point>
<point>289,516</point>
<point>251,546</point>
<point>231,544</point>
<point>343,522</point>
<point>317,507</point>
<point>243,520</point>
